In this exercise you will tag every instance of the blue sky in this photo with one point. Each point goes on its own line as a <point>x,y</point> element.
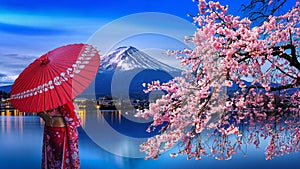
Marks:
<point>30,28</point>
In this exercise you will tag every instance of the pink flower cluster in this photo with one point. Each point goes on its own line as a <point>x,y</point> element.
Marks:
<point>228,51</point>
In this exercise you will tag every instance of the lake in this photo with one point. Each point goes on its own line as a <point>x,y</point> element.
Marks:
<point>110,140</point>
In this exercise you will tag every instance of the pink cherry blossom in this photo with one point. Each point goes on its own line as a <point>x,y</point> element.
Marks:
<point>240,83</point>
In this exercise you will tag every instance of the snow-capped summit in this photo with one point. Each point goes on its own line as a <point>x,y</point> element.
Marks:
<point>129,58</point>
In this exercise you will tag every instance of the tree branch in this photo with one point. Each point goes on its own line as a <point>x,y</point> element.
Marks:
<point>260,10</point>
<point>291,58</point>
<point>288,86</point>
<point>278,68</point>
<point>277,7</point>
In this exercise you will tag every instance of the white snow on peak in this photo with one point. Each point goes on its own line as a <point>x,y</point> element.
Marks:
<point>129,58</point>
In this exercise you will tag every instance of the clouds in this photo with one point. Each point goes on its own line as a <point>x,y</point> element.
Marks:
<point>7,79</point>
<point>2,75</point>
<point>11,66</point>
<point>25,38</point>
<point>30,35</point>
<point>30,30</point>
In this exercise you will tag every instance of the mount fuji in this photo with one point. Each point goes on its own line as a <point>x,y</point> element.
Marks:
<point>123,71</point>
<point>128,58</point>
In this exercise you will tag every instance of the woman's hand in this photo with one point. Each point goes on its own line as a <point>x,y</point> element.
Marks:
<point>45,116</point>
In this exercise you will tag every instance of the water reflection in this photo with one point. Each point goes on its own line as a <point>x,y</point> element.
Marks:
<point>115,116</point>
<point>7,124</point>
<point>9,113</point>
<point>115,134</point>
<point>21,139</point>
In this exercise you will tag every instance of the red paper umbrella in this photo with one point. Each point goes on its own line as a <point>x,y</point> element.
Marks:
<point>55,78</point>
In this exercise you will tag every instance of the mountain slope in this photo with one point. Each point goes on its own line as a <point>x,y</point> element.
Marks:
<point>129,58</point>
<point>123,71</point>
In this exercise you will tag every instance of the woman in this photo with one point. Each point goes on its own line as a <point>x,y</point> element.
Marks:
<point>60,142</point>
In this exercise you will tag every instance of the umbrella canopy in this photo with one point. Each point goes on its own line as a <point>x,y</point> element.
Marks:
<point>55,78</point>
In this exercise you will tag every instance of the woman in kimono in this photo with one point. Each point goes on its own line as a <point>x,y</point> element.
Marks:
<point>60,142</point>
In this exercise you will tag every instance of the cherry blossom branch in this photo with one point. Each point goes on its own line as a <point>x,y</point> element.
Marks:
<point>291,58</point>
<point>228,49</point>
<point>285,73</point>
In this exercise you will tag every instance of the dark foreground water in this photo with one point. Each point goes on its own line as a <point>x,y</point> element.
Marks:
<point>21,142</point>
